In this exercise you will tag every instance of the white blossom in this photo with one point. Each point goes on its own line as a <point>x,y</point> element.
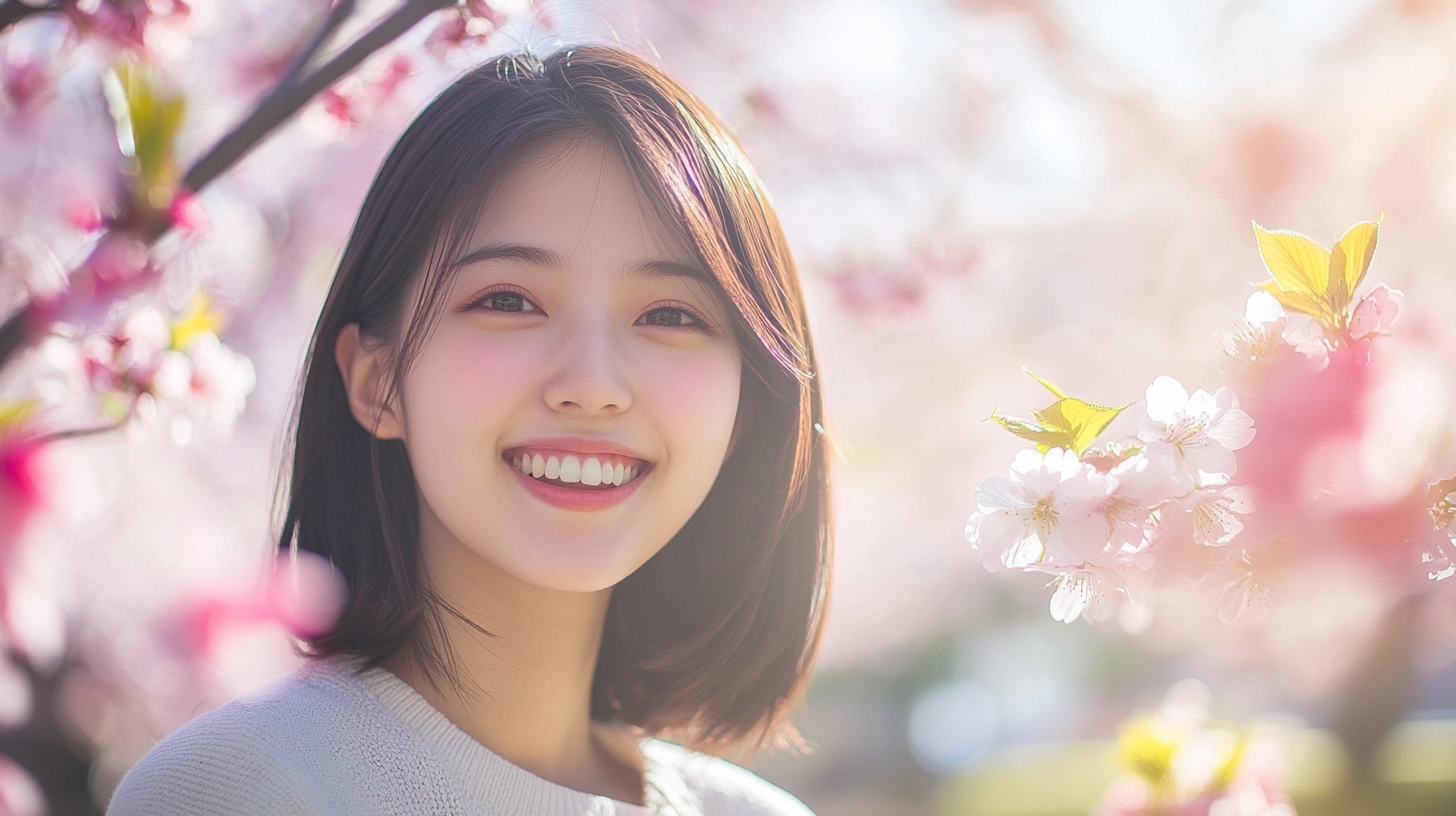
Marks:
<point>1047,513</point>
<point>1198,432</point>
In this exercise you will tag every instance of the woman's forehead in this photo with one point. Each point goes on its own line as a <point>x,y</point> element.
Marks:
<point>576,195</point>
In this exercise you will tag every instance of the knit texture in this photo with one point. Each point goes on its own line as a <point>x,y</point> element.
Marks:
<point>329,739</point>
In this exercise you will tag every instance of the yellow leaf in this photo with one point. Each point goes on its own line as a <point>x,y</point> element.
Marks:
<point>1045,438</point>
<point>147,119</point>
<point>200,317</point>
<point>1081,421</point>
<point>1297,263</point>
<point>1293,301</point>
<point>1356,248</point>
<point>1068,423</point>
<point>1056,392</point>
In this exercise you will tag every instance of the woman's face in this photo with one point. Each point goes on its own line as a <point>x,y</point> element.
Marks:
<point>573,406</point>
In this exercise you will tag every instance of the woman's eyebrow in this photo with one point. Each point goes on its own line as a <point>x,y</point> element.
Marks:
<point>525,253</point>
<point>671,269</point>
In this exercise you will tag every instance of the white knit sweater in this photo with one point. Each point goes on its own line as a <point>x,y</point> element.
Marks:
<point>329,739</point>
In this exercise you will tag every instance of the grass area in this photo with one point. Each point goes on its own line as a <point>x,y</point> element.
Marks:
<point>1418,769</point>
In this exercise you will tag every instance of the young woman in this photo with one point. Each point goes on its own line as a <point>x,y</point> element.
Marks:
<point>559,430</point>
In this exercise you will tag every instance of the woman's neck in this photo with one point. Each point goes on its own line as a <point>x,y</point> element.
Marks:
<point>524,692</point>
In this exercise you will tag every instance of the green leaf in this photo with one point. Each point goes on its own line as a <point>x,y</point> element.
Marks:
<point>147,120</point>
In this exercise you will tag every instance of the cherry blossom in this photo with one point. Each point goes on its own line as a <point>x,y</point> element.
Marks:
<point>1375,314</point>
<point>1047,513</point>
<point>1260,333</point>
<point>1137,487</point>
<point>1215,508</point>
<point>1199,432</point>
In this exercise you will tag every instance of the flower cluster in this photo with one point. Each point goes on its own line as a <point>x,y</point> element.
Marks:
<point>1101,518</point>
<point>1093,516</point>
<point>1178,764</point>
<point>172,375</point>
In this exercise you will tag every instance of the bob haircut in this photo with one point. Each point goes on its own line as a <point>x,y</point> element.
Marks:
<point>713,638</point>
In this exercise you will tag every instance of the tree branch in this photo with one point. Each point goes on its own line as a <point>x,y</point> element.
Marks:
<point>13,11</point>
<point>338,13</point>
<point>288,97</point>
<point>291,94</point>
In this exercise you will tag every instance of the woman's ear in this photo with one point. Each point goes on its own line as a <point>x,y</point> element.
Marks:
<point>363,371</point>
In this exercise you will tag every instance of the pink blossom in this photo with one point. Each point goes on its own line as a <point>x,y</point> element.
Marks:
<point>1047,514</point>
<point>26,84</point>
<point>1259,334</point>
<point>1375,314</point>
<point>303,594</point>
<point>19,794</point>
<point>22,488</point>
<point>187,212</point>
<point>1137,487</point>
<point>127,24</point>
<point>16,697</point>
<point>84,214</point>
<point>220,380</point>
<point>473,25</point>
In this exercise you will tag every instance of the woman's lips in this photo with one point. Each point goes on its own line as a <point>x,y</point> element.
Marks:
<point>577,496</point>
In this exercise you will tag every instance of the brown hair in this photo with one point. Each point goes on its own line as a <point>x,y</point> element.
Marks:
<point>713,638</point>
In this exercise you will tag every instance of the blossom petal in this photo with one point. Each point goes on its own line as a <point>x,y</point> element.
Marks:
<point>1166,399</point>
<point>1074,593</point>
<point>1234,429</point>
<point>1262,308</point>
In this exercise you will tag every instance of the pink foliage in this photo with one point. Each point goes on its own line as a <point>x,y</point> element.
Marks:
<point>1375,313</point>
<point>19,794</point>
<point>471,27</point>
<point>27,84</point>
<point>302,596</point>
<point>22,490</point>
<point>125,23</point>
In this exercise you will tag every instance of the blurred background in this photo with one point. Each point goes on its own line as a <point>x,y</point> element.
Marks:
<point>970,186</point>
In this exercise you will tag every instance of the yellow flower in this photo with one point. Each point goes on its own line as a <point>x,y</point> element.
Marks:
<point>1311,279</point>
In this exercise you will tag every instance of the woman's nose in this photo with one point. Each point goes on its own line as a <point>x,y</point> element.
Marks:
<point>590,376</point>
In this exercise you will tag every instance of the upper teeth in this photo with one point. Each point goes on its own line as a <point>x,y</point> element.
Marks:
<point>590,471</point>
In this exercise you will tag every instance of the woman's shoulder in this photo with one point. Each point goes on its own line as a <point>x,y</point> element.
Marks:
<point>309,742</point>
<point>720,787</point>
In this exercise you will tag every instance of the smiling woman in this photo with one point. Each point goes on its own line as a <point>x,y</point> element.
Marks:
<point>559,432</point>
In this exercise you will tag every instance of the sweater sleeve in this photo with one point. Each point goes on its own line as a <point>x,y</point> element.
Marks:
<point>215,765</point>
<point>722,788</point>
<point>728,790</point>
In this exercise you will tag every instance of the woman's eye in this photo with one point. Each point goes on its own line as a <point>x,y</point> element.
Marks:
<point>672,317</point>
<point>506,302</point>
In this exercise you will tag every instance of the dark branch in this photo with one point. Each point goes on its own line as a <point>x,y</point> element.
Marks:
<point>287,98</point>
<point>338,13</point>
<point>291,94</point>
<point>75,433</point>
<point>13,11</point>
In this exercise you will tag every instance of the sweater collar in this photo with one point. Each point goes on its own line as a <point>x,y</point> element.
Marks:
<point>487,777</point>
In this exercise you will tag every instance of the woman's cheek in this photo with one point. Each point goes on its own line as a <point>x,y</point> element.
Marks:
<point>471,380</point>
<point>695,400</point>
